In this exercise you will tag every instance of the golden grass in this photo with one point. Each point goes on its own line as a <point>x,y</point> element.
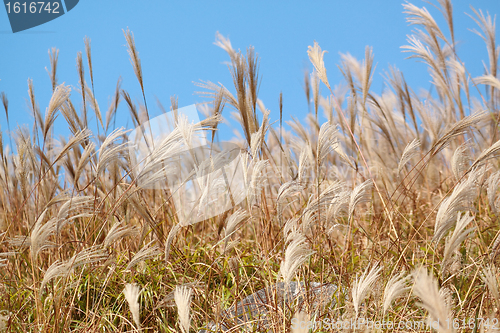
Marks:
<point>394,198</point>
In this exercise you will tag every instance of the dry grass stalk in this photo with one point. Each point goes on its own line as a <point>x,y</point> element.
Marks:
<point>89,58</point>
<point>54,57</point>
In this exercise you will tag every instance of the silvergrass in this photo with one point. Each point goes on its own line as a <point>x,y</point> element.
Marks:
<point>362,286</point>
<point>63,269</point>
<point>460,162</point>
<point>461,199</point>
<point>109,151</point>
<point>131,293</point>
<point>89,58</point>
<point>94,105</point>
<point>111,113</point>
<point>81,75</point>
<point>394,288</point>
<point>411,150</point>
<point>425,156</point>
<point>457,237</point>
<point>60,95</point>
<point>297,253</point>
<point>360,194</point>
<point>40,234</point>
<point>148,251</point>
<point>427,290</point>
<point>182,296</point>
<point>54,57</point>
<point>233,223</point>
<point>117,232</point>
<point>316,56</point>
<point>489,277</point>
<point>134,57</point>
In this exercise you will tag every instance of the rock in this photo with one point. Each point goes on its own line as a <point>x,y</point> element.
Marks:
<point>255,310</point>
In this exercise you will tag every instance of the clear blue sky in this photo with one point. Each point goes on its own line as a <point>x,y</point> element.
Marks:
<point>175,44</point>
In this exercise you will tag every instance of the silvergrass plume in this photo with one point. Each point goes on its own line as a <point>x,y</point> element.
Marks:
<point>457,237</point>
<point>460,162</point>
<point>110,151</point>
<point>60,95</point>
<point>426,288</point>
<point>488,27</point>
<point>256,180</point>
<point>489,277</point>
<point>53,56</point>
<point>81,75</point>
<point>111,113</point>
<point>457,129</point>
<point>62,269</point>
<point>296,253</point>
<point>234,222</point>
<point>257,138</point>
<point>487,154</point>
<point>182,296</point>
<point>148,251</point>
<point>73,208</point>
<point>170,238</point>
<point>316,56</point>
<point>493,185</point>
<point>131,293</point>
<point>77,139</point>
<point>362,286</point>
<point>411,150</point>
<point>5,103</point>
<point>298,325</point>
<point>394,288</point>
<point>83,162</point>
<point>360,194</point>
<point>94,105</point>
<point>327,140</point>
<point>134,56</point>
<point>40,234</point>
<point>245,79</point>
<point>461,199</point>
<point>307,88</point>
<point>89,58</point>
<point>315,81</point>
<point>285,191</point>
<point>117,232</point>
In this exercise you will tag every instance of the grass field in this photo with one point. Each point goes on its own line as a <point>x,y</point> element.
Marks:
<point>394,199</point>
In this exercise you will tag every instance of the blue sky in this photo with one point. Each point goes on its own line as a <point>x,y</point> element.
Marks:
<point>175,44</point>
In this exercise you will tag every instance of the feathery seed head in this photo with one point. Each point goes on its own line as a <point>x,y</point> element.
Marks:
<point>131,293</point>
<point>182,296</point>
<point>316,56</point>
